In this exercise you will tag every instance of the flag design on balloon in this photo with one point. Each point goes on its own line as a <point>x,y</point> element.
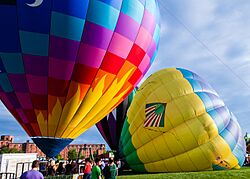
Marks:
<point>66,64</point>
<point>154,115</point>
<point>199,131</point>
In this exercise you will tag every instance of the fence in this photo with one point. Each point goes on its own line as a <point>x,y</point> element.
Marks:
<point>22,167</point>
<point>13,176</point>
<point>7,175</point>
<point>61,177</point>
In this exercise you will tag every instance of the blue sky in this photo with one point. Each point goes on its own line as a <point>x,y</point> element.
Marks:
<point>208,37</point>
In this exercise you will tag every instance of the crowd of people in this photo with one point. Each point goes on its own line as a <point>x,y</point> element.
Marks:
<point>88,169</point>
<point>109,171</point>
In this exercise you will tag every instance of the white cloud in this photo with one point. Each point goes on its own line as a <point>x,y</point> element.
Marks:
<point>224,28</point>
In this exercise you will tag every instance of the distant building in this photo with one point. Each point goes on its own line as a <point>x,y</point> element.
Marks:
<point>29,147</point>
<point>5,140</point>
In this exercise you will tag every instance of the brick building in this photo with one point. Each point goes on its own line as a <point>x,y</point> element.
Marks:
<point>29,147</point>
<point>5,140</point>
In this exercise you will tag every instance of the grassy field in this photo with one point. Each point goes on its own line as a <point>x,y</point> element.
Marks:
<point>236,174</point>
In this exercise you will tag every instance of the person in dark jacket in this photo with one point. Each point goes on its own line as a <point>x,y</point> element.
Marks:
<point>60,170</point>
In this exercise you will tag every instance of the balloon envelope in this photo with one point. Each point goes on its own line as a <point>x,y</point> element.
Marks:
<point>110,127</point>
<point>65,64</point>
<point>177,122</point>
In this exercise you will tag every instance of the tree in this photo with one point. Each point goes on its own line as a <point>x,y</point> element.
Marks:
<point>5,150</point>
<point>95,154</point>
<point>14,150</point>
<point>59,157</point>
<point>72,154</point>
<point>82,156</point>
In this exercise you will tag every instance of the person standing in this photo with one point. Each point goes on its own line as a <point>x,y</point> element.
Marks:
<point>96,170</point>
<point>34,172</point>
<point>119,166</point>
<point>112,168</point>
<point>68,168</point>
<point>110,171</point>
<point>60,170</point>
<point>52,168</point>
<point>87,169</point>
<point>106,171</point>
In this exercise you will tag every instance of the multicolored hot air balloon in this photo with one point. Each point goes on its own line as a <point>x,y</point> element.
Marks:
<point>65,64</point>
<point>110,126</point>
<point>177,122</point>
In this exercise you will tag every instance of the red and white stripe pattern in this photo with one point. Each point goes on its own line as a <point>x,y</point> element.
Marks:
<point>152,119</point>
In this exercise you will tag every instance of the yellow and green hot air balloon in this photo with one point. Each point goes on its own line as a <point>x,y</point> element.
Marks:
<point>177,122</point>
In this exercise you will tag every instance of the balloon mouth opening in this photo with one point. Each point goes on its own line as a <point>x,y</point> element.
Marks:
<point>56,138</point>
<point>51,146</point>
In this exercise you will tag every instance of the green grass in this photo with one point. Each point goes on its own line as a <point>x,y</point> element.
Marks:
<point>235,174</point>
